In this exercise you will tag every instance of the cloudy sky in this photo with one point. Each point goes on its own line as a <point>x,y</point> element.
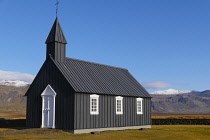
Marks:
<point>163,43</point>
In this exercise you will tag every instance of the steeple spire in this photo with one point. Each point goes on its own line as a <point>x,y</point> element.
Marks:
<point>56,42</point>
<point>56,34</point>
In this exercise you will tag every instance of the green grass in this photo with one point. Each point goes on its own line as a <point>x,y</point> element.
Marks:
<point>12,115</point>
<point>4,129</point>
<point>162,116</point>
<point>161,132</point>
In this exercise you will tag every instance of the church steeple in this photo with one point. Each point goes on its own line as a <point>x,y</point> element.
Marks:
<point>56,43</point>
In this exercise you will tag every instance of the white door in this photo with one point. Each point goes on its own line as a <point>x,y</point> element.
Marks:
<point>48,111</point>
<point>48,108</point>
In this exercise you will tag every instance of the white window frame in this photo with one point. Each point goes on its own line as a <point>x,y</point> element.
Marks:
<point>141,105</point>
<point>119,98</point>
<point>94,96</point>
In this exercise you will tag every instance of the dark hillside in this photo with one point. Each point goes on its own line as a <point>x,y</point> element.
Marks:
<point>12,100</point>
<point>190,103</point>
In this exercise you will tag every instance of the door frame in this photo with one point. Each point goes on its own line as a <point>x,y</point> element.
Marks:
<point>48,92</point>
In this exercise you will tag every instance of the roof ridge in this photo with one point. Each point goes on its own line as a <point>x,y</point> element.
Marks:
<point>97,63</point>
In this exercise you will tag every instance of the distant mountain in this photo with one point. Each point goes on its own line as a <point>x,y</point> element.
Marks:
<point>16,83</point>
<point>170,91</point>
<point>12,100</point>
<point>187,103</point>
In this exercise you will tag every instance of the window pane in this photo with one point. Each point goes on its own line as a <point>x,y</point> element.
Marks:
<point>119,105</point>
<point>139,107</point>
<point>94,105</point>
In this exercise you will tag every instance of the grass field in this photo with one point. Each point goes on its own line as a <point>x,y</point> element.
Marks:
<point>12,115</point>
<point>161,132</point>
<point>155,116</point>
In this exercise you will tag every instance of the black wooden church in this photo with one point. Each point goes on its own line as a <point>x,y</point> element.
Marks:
<point>82,96</point>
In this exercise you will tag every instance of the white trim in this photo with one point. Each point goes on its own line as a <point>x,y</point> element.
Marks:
<point>119,98</point>
<point>42,126</point>
<point>94,96</point>
<point>141,100</point>
<point>48,92</point>
<point>54,114</point>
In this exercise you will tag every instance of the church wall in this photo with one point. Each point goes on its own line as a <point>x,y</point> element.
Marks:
<point>64,101</point>
<point>107,116</point>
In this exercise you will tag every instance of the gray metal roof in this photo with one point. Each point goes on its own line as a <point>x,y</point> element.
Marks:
<point>88,77</point>
<point>56,34</point>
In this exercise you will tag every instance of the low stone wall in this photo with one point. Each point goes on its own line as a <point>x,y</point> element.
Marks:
<point>22,122</point>
<point>180,121</point>
<point>12,123</point>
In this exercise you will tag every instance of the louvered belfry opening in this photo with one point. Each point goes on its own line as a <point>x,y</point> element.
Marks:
<point>56,43</point>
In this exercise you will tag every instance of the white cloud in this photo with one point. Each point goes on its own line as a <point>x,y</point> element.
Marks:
<point>9,75</point>
<point>156,84</point>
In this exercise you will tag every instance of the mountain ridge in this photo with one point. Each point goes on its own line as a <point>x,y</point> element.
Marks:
<point>170,91</point>
<point>16,83</point>
<point>12,100</point>
<point>187,103</point>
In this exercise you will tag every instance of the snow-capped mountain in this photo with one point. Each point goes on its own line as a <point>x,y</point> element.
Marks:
<point>16,83</point>
<point>170,92</point>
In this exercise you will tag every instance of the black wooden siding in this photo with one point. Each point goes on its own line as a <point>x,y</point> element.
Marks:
<point>49,74</point>
<point>57,51</point>
<point>107,116</point>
